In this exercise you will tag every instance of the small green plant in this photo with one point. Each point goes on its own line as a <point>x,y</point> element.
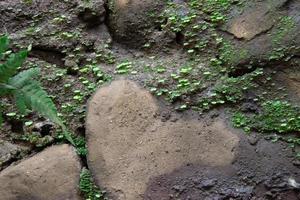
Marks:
<point>239,120</point>
<point>34,139</point>
<point>26,91</point>
<point>124,67</point>
<point>230,90</point>
<point>278,116</point>
<point>80,145</point>
<point>285,26</point>
<point>88,187</point>
<point>160,69</point>
<point>275,116</point>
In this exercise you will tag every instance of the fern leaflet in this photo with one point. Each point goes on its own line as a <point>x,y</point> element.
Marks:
<point>4,42</point>
<point>9,68</point>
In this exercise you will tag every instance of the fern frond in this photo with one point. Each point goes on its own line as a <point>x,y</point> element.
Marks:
<point>4,91</point>
<point>37,99</point>
<point>67,135</point>
<point>20,102</point>
<point>27,92</point>
<point>4,42</point>
<point>1,118</point>
<point>9,68</point>
<point>21,78</point>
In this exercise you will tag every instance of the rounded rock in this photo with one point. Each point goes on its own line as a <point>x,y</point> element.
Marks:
<point>51,174</point>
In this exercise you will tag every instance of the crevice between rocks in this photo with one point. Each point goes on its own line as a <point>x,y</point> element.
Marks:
<point>106,18</point>
<point>242,71</point>
<point>49,55</point>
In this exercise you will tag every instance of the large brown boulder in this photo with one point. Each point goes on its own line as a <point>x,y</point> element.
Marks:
<point>52,174</point>
<point>10,152</point>
<point>128,144</point>
<point>264,32</point>
<point>131,21</point>
<point>287,80</point>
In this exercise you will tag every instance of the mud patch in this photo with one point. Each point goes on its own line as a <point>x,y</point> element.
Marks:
<point>261,170</point>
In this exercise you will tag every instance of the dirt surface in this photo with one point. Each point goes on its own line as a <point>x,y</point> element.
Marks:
<point>264,177</point>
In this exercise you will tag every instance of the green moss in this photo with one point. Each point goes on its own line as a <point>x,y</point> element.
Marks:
<point>230,90</point>
<point>230,55</point>
<point>285,26</point>
<point>278,116</point>
<point>240,120</point>
<point>216,9</point>
<point>29,2</point>
<point>275,116</point>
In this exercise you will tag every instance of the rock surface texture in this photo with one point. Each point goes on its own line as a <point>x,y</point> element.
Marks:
<point>50,175</point>
<point>290,79</point>
<point>58,25</point>
<point>131,21</point>
<point>267,30</point>
<point>128,144</point>
<point>9,152</point>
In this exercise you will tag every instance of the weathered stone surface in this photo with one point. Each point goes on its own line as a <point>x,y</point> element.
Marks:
<point>290,79</point>
<point>58,25</point>
<point>9,152</point>
<point>252,23</point>
<point>52,174</point>
<point>129,22</point>
<point>92,11</point>
<point>258,17</point>
<point>270,30</point>
<point>128,145</point>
